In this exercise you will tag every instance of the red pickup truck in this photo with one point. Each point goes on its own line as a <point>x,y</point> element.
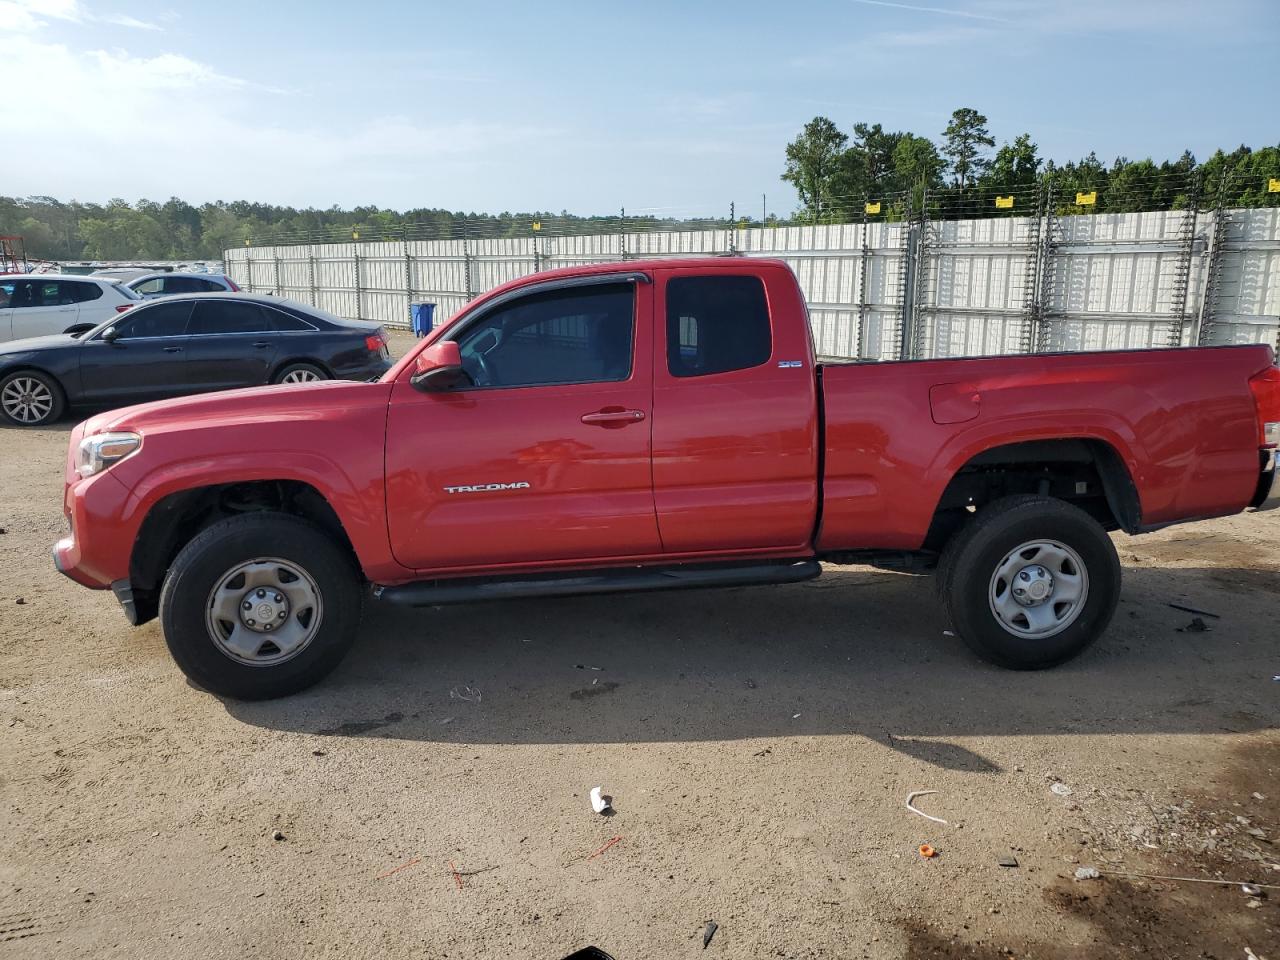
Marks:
<point>650,425</point>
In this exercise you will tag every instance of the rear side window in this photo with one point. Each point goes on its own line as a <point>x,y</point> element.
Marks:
<point>154,285</point>
<point>226,317</point>
<point>190,285</point>
<point>716,324</point>
<point>83,292</point>
<point>161,320</point>
<point>288,323</point>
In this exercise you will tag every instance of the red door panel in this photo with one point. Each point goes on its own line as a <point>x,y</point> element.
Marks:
<point>485,477</point>
<point>735,453</point>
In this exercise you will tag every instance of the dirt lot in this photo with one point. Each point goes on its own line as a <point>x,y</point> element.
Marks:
<point>759,746</point>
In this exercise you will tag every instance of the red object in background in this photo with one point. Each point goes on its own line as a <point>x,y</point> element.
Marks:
<point>13,255</point>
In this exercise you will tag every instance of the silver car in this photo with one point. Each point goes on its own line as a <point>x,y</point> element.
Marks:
<point>152,285</point>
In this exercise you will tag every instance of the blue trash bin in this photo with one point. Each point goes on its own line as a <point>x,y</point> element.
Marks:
<point>422,317</point>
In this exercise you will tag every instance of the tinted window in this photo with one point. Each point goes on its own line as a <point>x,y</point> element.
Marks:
<point>286,322</point>
<point>154,285</point>
<point>567,336</point>
<point>41,293</point>
<point>189,285</point>
<point>6,294</point>
<point>82,292</point>
<point>229,317</point>
<point>161,320</point>
<point>716,324</point>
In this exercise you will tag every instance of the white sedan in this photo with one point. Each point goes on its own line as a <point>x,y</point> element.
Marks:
<point>38,305</point>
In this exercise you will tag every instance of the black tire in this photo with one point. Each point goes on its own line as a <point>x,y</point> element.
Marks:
<point>15,412</point>
<point>968,580</point>
<point>308,371</point>
<point>200,568</point>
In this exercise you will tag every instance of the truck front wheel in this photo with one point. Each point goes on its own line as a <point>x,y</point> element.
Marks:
<point>259,606</point>
<point>1030,582</point>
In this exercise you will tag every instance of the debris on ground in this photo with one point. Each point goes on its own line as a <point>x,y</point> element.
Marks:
<point>599,802</point>
<point>20,601</point>
<point>751,684</point>
<point>927,851</point>
<point>318,753</point>
<point>470,694</point>
<point>1203,613</point>
<point>708,933</point>
<point>764,752</point>
<point>1252,890</point>
<point>923,793</point>
<point>404,866</point>
<point>277,836</point>
<point>1061,789</point>
<point>604,848</point>
<point>1243,885</point>
<point>584,666</point>
<point>457,877</point>
<point>1087,873</point>
<point>1195,626</point>
<point>1008,861</point>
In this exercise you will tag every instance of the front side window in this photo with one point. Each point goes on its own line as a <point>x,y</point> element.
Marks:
<point>716,324</point>
<point>229,317</point>
<point>154,285</point>
<point>583,335</point>
<point>161,320</point>
<point>39,293</point>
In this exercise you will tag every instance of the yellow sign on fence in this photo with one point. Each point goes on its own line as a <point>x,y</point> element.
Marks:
<point>1004,203</point>
<point>537,224</point>
<point>1087,199</point>
<point>1273,185</point>
<point>872,208</point>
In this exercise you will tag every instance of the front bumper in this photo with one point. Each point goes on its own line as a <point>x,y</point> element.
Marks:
<point>95,553</point>
<point>1267,496</point>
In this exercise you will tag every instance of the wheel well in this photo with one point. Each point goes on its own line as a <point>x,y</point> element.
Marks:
<point>1087,473</point>
<point>275,372</point>
<point>27,368</point>
<point>176,519</point>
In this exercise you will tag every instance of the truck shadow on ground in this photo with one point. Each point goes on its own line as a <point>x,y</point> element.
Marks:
<point>856,651</point>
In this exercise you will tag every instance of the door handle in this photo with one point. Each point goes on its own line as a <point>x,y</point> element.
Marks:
<point>262,344</point>
<point>615,417</point>
<point>67,310</point>
<point>172,349</point>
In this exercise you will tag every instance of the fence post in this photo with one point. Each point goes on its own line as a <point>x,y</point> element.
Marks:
<point>733,229</point>
<point>912,282</point>
<point>1040,339</point>
<point>1213,271</point>
<point>311,272</point>
<point>355,262</point>
<point>622,233</point>
<point>864,263</point>
<point>408,277</point>
<point>276,259</point>
<point>1186,251</point>
<point>466,264</point>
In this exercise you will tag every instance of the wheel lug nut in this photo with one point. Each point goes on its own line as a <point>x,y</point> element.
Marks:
<point>248,605</point>
<point>280,615</point>
<point>252,623</point>
<point>266,626</point>
<point>262,593</point>
<point>279,599</point>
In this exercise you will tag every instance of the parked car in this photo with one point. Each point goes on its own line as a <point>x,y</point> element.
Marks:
<point>123,274</point>
<point>36,305</point>
<point>185,344</point>
<point>151,285</point>
<point>650,425</point>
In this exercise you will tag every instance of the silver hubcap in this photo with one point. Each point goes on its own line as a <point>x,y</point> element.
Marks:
<point>264,612</point>
<point>26,400</point>
<point>300,376</point>
<point>1039,589</point>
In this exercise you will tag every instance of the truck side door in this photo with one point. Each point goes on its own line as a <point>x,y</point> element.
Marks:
<point>735,425</point>
<point>544,455</point>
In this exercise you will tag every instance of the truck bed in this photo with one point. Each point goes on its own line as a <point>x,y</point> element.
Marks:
<point>1182,422</point>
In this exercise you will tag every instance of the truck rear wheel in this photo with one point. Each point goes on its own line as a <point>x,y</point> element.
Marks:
<point>259,606</point>
<point>1030,582</point>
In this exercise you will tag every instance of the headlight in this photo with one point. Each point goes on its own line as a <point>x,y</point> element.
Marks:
<point>100,451</point>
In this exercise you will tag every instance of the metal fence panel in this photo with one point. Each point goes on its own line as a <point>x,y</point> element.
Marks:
<point>875,290</point>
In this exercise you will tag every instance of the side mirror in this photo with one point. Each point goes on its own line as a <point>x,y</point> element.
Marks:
<point>438,368</point>
<point>110,334</point>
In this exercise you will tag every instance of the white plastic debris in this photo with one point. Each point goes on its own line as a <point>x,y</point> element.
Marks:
<point>1087,873</point>
<point>1061,789</point>
<point>923,793</point>
<point>599,802</point>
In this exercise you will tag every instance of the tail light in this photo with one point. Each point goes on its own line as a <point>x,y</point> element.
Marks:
<point>1266,395</point>
<point>122,307</point>
<point>376,341</point>
<point>231,285</point>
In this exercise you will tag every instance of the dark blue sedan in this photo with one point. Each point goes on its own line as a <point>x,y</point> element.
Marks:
<point>183,345</point>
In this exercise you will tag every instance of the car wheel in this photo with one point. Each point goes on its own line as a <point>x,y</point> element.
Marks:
<point>1030,582</point>
<point>29,398</point>
<point>259,606</point>
<point>300,373</point>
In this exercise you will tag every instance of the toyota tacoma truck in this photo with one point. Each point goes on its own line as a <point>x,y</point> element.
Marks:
<point>652,425</point>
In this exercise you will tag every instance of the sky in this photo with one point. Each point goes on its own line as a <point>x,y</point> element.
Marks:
<point>667,107</point>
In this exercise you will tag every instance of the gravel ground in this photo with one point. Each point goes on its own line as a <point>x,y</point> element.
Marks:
<point>759,746</point>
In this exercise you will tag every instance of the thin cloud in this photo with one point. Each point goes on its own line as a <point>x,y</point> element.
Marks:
<point>967,14</point>
<point>124,20</point>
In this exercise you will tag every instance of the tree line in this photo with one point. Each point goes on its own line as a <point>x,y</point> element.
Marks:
<point>837,175</point>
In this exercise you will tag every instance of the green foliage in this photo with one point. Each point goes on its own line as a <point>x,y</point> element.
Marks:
<point>966,135</point>
<point>816,164</point>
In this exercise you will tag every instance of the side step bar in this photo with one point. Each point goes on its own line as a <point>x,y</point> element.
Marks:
<point>430,593</point>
